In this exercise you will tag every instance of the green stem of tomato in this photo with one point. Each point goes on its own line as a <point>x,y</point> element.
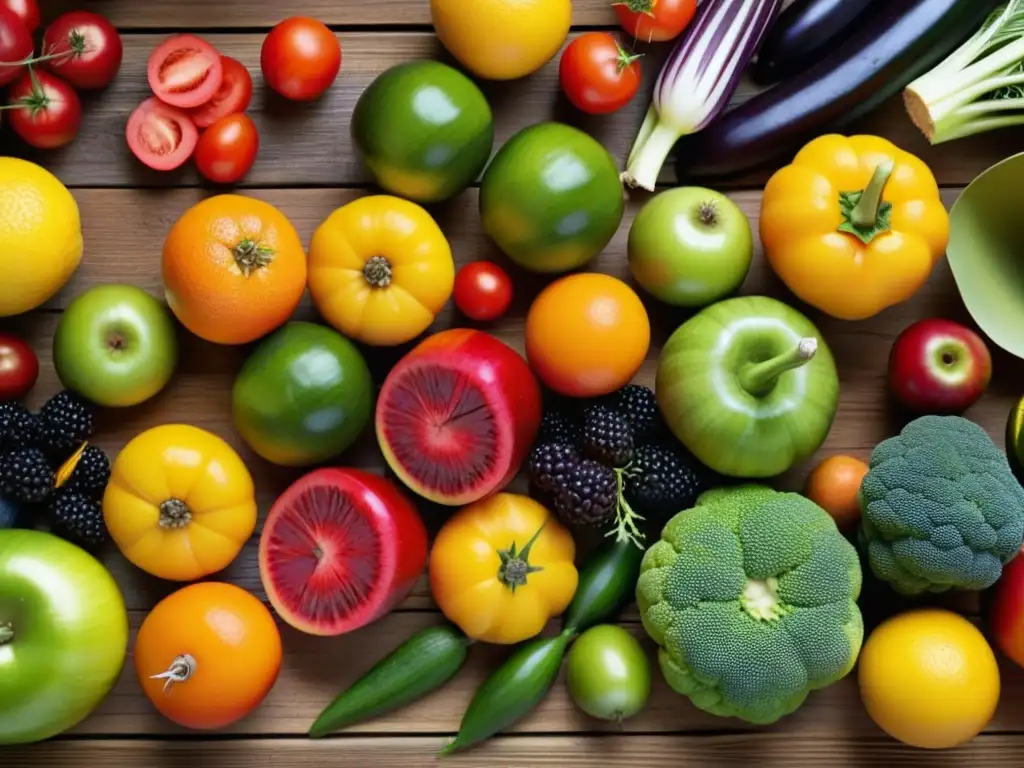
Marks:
<point>6,633</point>
<point>759,378</point>
<point>639,6</point>
<point>32,60</point>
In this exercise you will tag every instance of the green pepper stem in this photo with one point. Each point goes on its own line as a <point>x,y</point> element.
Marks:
<point>6,633</point>
<point>865,213</point>
<point>759,378</point>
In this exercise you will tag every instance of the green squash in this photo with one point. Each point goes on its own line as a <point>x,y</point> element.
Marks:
<point>748,386</point>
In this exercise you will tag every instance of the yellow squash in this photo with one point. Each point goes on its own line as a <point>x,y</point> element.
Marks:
<point>854,225</point>
<point>180,503</point>
<point>380,270</point>
<point>500,568</point>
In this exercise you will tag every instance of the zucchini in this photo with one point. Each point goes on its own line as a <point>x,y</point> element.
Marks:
<point>904,39</point>
<point>424,662</point>
<point>607,585</point>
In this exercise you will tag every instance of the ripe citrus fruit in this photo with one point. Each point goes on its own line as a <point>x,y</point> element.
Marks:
<point>929,678</point>
<point>40,236</point>
<point>587,335</point>
<point>834,486</point>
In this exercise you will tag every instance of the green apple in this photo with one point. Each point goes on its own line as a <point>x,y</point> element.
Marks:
<point>690,247</point>
<point>115,345</point>
<point>748,386</point>
<point>63,635</point>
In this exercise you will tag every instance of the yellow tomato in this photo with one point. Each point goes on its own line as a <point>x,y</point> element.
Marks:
<point>180,503</point>
<point>380,270</point>
<point>500,568</point>
<point>929,678</point>
<point>502,39</point>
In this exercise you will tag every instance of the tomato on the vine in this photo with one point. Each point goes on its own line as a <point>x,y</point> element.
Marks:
<point>655,21</point>
<point>44,110</point>
<point>300,58</point>
<point>234,94</point>
<point>227,149</point>
<point>15,45</point>
<point>83,48</point>
<point>597,74</point>
<point>26,10</point>
<point>483,291</point>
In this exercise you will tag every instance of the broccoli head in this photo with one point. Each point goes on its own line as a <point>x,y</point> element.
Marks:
<point>751,596</point>
<point>940,507</point>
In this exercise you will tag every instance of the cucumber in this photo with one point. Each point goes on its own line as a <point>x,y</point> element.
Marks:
<point>607,585</point>
<point>515,688</point>
<point>424,662</point>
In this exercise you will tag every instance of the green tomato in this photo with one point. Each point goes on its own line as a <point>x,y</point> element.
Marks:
<point>63,635</point>
<point>690,247</point>
<point>748,386</point>
<point>608,674</point>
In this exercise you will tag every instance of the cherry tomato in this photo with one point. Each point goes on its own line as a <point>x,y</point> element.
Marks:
<point>655,21</point>
<point>234,94</point>
<point>15,45</point>
<point>185,71</point>
<point>44,110</point>
<point>27,11</point>
<point>160,135</point>
<point>228,148</point>
<point>19,367</point>
<point>86,47</point>
<point>301,58</point>
<point>483,291</point>
<point>598,75</point>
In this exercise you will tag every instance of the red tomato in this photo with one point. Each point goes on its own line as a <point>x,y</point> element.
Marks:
<point>234,94</point>
<point>160,135</point>
<point>227,149</point>
<point>19,367</point>
<point>85,49</point>
<point>597,74</point>
<point>300,59</point>
<point>483,291</point>
<point>27,11</point>
<point>46,111</point>
<point>655,21</point>
<point>185,71</point>
<point>15,45</point>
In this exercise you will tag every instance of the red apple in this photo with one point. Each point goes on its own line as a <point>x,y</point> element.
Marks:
<point>939,367</point>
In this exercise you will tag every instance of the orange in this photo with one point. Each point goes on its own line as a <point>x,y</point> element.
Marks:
<point>207,655</point>
<point>929,678</point>
<point>234,269</point>
<point>587,335</point>
<point>834,485</point>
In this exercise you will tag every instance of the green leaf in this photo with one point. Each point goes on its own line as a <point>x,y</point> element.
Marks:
<point>883,222</point>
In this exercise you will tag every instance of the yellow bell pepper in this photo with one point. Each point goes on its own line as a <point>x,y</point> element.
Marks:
<point>380,270</point>
<point>854,225</point>
<point>500,568</point>
<point>180,503</point>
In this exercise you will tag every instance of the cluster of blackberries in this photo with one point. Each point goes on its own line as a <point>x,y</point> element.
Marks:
<point>590,458</point>
<point>47,467</point>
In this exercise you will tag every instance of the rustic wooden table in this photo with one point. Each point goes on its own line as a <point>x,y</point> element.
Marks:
<point>308,167</point>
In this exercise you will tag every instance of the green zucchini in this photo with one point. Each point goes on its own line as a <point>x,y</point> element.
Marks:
<point>607,585</point>
<point>424,662</point>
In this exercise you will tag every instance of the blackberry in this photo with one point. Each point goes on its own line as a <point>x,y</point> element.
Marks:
<point>640,408</point>
<point>19,429</point>
<point>78,518</point>
<point>559,427</point>
<point>87,472</point>
<point>26,475</point>
<point>607,436</point>
<point>660,482</point>
<point>66,422</point>
<point>589,496</point>
<point>550,464</point>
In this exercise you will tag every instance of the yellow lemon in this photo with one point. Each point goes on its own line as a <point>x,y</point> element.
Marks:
<point>502,39</point>
<point>40,235</point>
<point>929,678</point>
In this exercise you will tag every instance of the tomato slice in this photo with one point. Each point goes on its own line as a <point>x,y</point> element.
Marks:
<point>234,94</point>
<point>185,71</point>
<point>160,135</point>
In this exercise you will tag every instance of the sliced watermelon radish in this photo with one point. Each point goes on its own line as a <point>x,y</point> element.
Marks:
<point>340,549</point>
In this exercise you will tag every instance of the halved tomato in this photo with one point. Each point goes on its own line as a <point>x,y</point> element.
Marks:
<point>185,71</point>
<point>160,135</point>
<point>233,96</point>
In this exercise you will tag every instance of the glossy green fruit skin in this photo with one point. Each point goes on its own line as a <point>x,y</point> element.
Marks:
<point>730,430</point>
<point>115,377</point>
<point>608,674</point>
<point>70,635</point>
<point>303,396</point>
<point>551,198</point>
<point>1015,439</point>
<point>424,129</point>
<point>686,261</point>
<point>607,585</point>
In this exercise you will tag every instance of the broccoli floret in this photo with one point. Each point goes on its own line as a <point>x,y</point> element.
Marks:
<point>940,507</point>
<point>751,596</point>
